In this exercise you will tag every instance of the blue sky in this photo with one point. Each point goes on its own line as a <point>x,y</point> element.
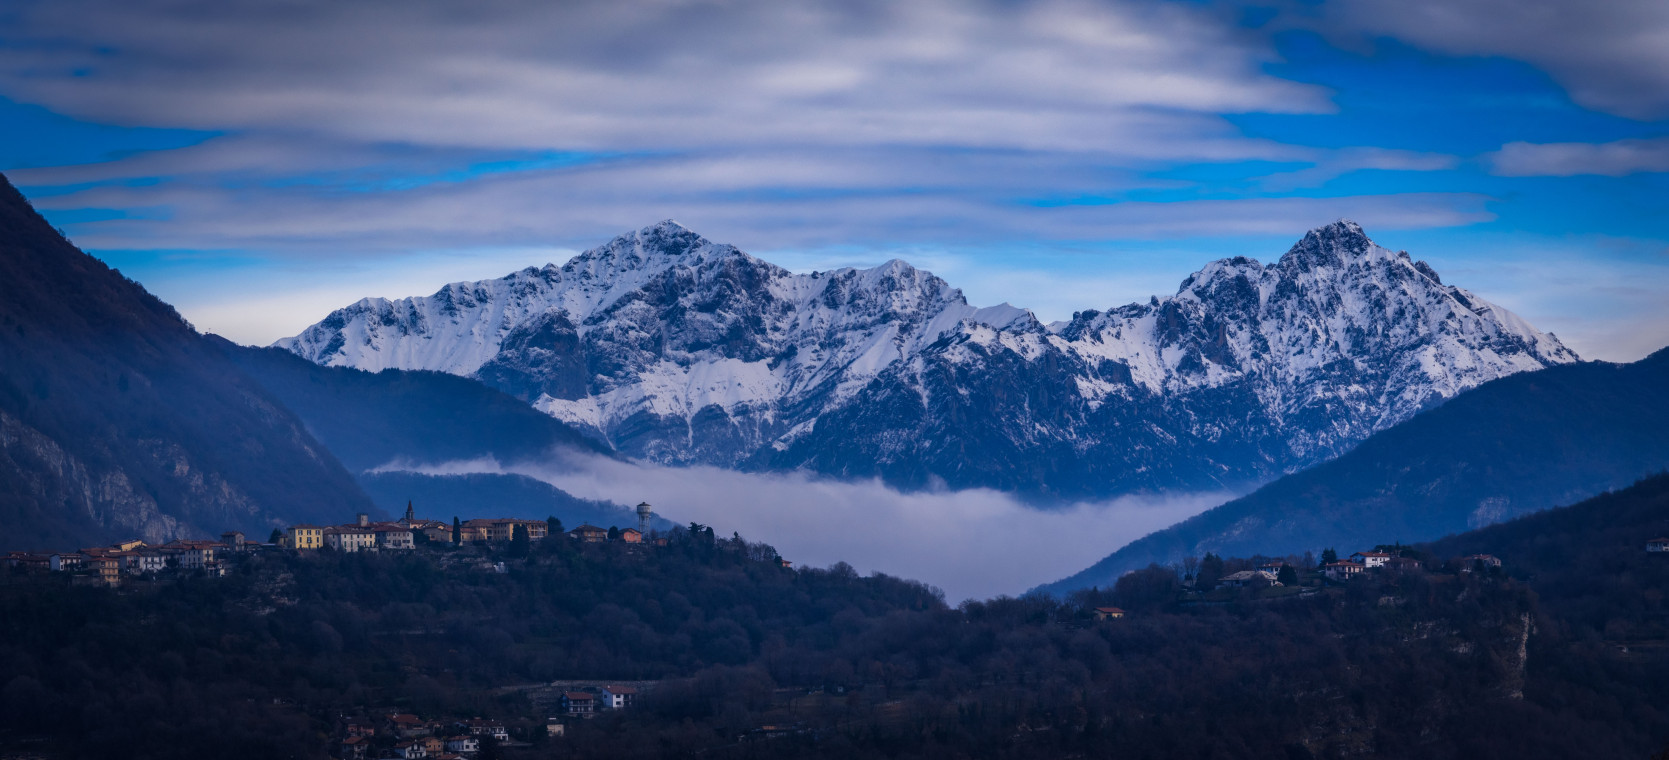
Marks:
<point>259,164</point>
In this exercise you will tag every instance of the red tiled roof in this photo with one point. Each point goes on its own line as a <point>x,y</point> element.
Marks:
<point>576,695</point>
<point>620,689</point>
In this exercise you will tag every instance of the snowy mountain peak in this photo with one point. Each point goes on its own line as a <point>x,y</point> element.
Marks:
<point>678,349</point>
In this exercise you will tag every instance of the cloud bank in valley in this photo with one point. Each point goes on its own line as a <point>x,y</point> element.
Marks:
<point>971,544</point>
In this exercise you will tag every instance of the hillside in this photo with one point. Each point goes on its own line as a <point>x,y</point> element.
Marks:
<point>678,349</point>
<point>118,420</point>
<point>445,496</point>
<point>1505,449</point>
<point>369,419</point>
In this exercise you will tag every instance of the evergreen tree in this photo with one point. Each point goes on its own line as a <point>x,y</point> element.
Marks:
<point>1328,556</point>
<point>277,537</point>
<point>613,533</point>
<point>519,540</point>
<point>1288,576</point>
<point>457,531</point>
<point>553,526</point>
<point>1211,568</point>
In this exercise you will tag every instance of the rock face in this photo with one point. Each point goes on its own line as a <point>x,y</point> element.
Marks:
<point>680,350</point>
<point>119,420</point>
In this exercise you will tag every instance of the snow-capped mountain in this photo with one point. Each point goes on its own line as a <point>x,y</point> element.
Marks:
<point>680,350</point>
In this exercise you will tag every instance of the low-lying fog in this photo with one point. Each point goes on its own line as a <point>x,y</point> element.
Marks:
<point>971,544</point>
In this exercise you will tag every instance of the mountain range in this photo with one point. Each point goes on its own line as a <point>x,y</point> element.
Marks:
<point>1506,449</point>
<point>675,349</point>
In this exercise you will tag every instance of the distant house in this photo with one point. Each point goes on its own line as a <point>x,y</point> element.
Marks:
<point>463,745</point>
<point>785,564</point>
<point>1273,568</point>
<point>354,747</point>
<point>1488,561</point>
<point>60,563</point>
<point>1404,565</point>
<point>1340,571</point>
<point>350,538</point>
<point>589,533</point>
<point>392,536</point>
<point>406,726</point>
<point>1371,560</point>
<point>618,697</point>
<point>631,536</point>
<point>147,560</point>
<point>433,745</point>
<point>410,749</point>
<point>306,537</point>
<point>107,568</point>
<point>232,539</point>
<point>1658,545</point>
<point>1248,579</point>
<point>1107,613</point>
<point>479,727</point>
<point>578,703</point>
<point>554,727</point>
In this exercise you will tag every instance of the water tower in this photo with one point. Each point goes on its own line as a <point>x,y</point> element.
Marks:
<point>644,512</point>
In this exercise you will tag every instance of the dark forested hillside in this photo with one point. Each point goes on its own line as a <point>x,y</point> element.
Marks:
<point>118,419</point>
<point>1507,448</point>
<point>369,419</point>
<point>736,656</point>
<point>478,494</point>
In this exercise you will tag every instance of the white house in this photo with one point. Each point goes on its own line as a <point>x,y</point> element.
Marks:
<point>1248,578</point>
<point>1658,545</point>
<point>1342,570</point>
<point>618,697</point>
<point>463,745</point>
<point>1371,560</point>
<point>350,538</point>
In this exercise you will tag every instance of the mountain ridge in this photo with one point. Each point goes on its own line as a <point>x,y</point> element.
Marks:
<point>684,351</point>
<point>1512,447</point>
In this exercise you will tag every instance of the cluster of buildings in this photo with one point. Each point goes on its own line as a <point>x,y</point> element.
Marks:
<point>1360,562</point>
<point>583,703</point>
<point>109,564</point>
<point>404,533</point>
<point>408,737</point>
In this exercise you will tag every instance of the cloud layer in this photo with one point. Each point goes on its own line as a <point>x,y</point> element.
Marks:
<point>971,544</point>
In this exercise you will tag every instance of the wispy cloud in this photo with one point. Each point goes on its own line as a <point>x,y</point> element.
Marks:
<point>1614,159</point>
<point>971,544</point>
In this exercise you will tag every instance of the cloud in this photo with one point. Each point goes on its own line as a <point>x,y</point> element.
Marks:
<point>1612,56</point>
<point>669,74</point>
<point>1614,159</point>
<point>971,544</point>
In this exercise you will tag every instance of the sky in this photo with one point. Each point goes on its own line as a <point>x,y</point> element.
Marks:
<point>260,163</point>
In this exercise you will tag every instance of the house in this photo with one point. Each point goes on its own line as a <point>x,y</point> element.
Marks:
<point>1107,613</point>
<point>354,747</point>
<point>361,728</point>
<point>433,745</point>
<point>1486,560</point>
<point>589,533</point>
<point>554,727</point>
<point>1404,565</point>
<point>784,564</point>
<point>66,562</point>
<point>577,703</point>
<point>27,561</point>
<point>1340,571</point>
<point>410,749</point>
<point>392,536</point>
<point>478,727</point>
<point>632,536</point>
<point>1658,545</point>
<point>1248,579</point>
<point>129,545</point>
<point>463,745</point>
<point>107,568</point>
<point>350,538</point>
<point>195,555</point>
<point>306,537</point>
<point>406,726</point>
<point>1371,560</point>
<point>232,539</point>
<point>148,560</point>
<point>1273,568</point>
<point>618,697</point>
